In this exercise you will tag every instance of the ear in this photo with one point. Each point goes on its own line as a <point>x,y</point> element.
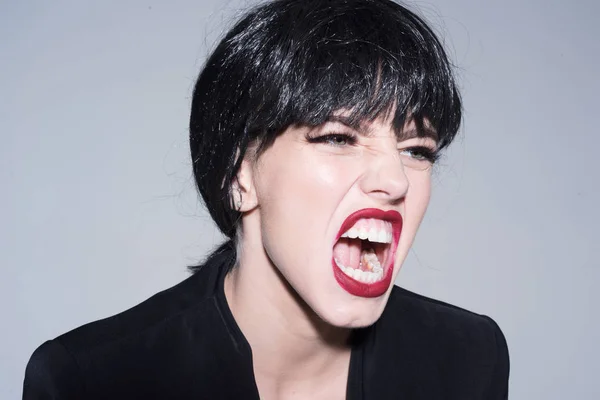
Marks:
<point>243,188</point>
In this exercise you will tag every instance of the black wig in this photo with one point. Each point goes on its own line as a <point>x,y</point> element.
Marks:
<point>299,61</point>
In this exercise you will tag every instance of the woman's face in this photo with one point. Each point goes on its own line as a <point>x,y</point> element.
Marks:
<point>317,189</point>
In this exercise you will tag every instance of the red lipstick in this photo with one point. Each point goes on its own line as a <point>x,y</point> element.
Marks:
<point>378,288</point>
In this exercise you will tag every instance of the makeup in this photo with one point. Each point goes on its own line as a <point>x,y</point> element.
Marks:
<point>364,251</point>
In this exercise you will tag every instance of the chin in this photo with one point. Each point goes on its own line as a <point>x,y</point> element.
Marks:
<point>358,313</point>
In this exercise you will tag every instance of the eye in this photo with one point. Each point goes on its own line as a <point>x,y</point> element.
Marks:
<point>334,139</point>
<point>421,154</point>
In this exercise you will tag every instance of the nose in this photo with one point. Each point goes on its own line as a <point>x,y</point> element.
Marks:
<point>385,178</point>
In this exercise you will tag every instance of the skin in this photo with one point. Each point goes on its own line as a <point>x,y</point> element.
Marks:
<point>295,197</point>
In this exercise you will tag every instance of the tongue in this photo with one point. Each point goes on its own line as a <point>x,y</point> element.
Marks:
<point>347,252</point>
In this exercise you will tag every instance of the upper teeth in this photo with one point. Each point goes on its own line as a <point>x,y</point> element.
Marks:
<point>366,231</point>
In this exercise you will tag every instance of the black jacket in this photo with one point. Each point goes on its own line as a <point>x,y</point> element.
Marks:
<point>183,343</point>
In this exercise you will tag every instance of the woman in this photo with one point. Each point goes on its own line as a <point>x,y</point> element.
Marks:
<point>314,127</point>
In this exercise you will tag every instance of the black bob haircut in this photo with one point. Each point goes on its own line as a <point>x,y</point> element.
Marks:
<point>297,62</point>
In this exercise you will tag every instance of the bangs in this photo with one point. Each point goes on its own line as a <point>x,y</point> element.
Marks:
<point>305,62</point>
<point>366,61</point>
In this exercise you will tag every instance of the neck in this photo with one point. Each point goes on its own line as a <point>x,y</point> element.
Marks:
<point>290,343</point>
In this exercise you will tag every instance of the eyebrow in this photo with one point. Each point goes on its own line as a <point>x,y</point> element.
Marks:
<point>426,132</point>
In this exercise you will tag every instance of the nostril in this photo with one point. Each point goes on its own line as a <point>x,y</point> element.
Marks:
<point>386,184</point>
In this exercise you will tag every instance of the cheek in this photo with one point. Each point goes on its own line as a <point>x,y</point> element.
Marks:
<point>421,192</point>
<point>298,192</point>
<point>416,202</point>
<point>302,185</point>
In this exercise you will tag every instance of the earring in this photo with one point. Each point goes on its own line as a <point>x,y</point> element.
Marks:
<point>238,200</point>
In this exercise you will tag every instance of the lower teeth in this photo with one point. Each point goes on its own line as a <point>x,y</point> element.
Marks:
<point>363,276</point>
<point>369,260</point>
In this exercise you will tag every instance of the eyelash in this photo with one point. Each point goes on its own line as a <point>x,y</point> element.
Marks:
<point>421,153</point>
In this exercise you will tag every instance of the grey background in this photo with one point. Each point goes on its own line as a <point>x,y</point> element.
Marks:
<point>98,210</point>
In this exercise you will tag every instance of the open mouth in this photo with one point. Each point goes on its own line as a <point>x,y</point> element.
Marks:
<point>363,254</point>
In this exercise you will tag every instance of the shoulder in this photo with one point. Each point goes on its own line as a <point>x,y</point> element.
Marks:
<point>464,352</point>
<point>52,373</point>
<point>435,315</point>
<point>106,346</point>
<point>161,309</point>
<point>454,328</point>
<point>443,322</point>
